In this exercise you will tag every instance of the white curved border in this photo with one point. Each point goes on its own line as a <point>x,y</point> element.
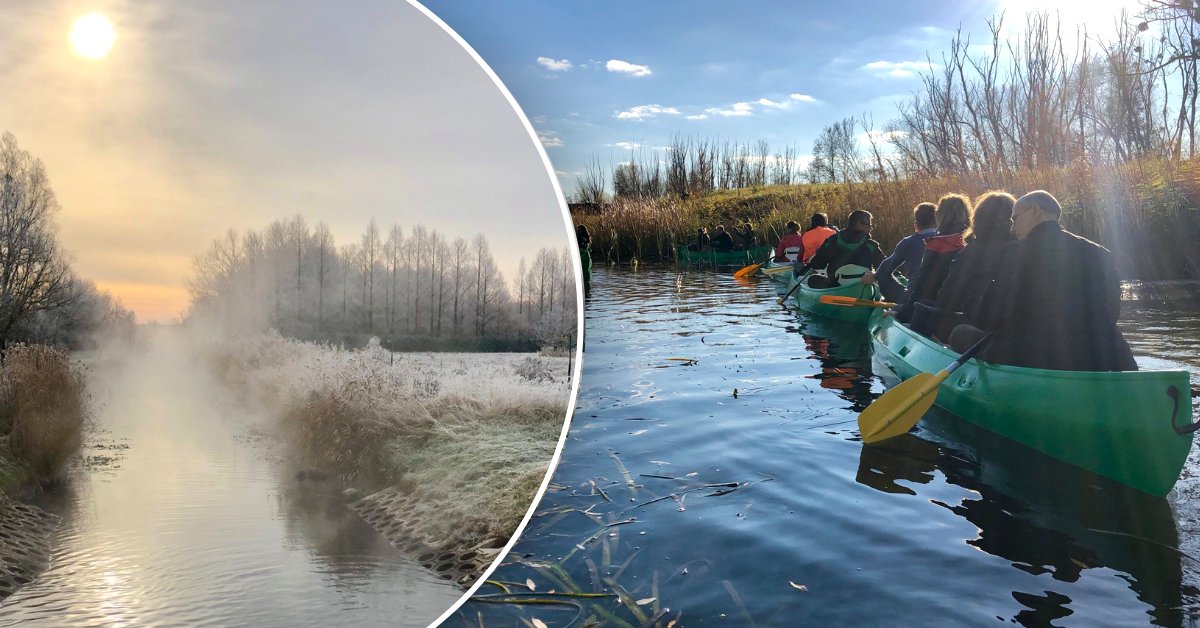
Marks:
<point>562,204</point>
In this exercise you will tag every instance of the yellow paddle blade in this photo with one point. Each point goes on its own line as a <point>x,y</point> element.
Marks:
<point>900,408</point>
<point>852,302</point>
<point>747,270</point>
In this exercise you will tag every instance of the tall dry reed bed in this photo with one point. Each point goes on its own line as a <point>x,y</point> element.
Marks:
<point>44,406</point>
<point>471,434</point>
<point>1145,211</point>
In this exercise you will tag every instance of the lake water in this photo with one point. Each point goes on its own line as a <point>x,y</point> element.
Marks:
<point>764,508</point>
<point>181,514</point>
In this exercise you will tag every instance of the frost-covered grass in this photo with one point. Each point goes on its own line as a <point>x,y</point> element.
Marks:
<point>43,411</point>
<point>471,434</point>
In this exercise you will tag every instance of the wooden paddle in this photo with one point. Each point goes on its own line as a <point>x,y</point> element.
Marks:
<point>778,269</point>
<point>897,410</point>
<point>852,302</point>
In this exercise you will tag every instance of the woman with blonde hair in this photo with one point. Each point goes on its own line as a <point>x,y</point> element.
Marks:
<point>953,217</point>
<point>972,270</point>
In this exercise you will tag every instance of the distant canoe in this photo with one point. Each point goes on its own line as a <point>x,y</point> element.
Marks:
<point>723,258</point>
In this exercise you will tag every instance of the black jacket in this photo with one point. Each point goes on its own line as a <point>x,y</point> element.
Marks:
<point>971,272</point>
<point>835,252</point>
<point>1054,305</point>
<point>722,242</point>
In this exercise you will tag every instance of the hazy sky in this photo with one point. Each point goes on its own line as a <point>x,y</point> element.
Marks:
<point>606,79</point>
<point>213,115</point>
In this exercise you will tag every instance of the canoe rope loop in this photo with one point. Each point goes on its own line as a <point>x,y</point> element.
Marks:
<point>1173,393</point>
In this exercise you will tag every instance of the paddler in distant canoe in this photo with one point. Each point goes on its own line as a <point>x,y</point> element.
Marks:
<point>851,246</point>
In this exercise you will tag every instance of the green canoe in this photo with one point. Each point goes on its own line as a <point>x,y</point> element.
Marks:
<point>1117,424</point>
<point>777,271</point>
<point>809,300</point>
<point>724,258</point>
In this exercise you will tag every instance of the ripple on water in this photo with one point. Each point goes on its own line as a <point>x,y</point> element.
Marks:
<point>944,526</point>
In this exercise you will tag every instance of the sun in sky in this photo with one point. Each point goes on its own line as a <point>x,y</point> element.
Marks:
<point>92,36</point>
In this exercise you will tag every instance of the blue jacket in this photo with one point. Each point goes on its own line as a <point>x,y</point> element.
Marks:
<point>906,257</point>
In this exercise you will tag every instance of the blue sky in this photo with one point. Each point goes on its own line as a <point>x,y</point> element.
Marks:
<point>615,74</point>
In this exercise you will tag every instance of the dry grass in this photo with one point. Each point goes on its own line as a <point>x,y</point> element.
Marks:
<point>1145,211</point>
<point>43,408</point>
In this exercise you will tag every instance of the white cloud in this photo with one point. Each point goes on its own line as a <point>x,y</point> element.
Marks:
<point>803,98</point>
<point>625,145</point>
<point>738,109</point>
<point>624,67</point>
<point>699,116</point>
<point>767,102</point>
<point>641,112</point>
<point>560,65</point>
<point>550,139</point>
<point>897,69</point>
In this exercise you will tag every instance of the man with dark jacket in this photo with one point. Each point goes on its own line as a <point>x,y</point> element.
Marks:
<point>906,258</point>
<point>850,246</point>
<point>721,240</point>
<point>1056,298</point>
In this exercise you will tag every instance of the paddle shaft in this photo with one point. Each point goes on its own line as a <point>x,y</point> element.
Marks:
<point>927,389</point>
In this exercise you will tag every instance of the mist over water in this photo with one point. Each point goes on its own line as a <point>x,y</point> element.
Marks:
<point>182,512</point>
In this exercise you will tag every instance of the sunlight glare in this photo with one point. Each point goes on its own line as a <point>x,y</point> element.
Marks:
<point>92,36</point>
<point>1098,16</point>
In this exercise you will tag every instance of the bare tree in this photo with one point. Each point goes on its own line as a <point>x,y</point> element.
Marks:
<point>33,272</point>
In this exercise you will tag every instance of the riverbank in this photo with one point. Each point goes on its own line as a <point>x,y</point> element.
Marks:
<point>44,408</point>
<point>1142,210</point>
<point>448,449</point>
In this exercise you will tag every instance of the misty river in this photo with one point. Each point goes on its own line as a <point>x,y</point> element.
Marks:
<point>182,512</point>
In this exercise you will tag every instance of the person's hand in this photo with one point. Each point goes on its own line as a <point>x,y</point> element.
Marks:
<point>868,277</point>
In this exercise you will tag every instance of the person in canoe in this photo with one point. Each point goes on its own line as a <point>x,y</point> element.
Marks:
<point>791,245</point>
<point>818,231</point>
<point>584,239</point>
<point>953,217</point>
<point>702,240</point>
<point>746,235</point>
<point>906,258</point>
<point>721,240</point>
<point>971,271</point>
<point>852,246</point>
<point>1055,301</point>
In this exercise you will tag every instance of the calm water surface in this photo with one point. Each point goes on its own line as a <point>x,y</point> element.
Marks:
<point>765,509</point>
<point>180,517</point>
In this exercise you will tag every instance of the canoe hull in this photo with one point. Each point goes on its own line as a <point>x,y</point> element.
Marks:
<point>1115,424</point>
<point>727,258</point>
<point>809,300</point>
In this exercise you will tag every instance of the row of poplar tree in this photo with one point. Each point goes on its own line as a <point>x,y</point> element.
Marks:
<point>413,288</point>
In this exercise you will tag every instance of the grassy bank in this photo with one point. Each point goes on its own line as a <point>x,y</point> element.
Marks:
<point>1146,212</point>
<point>469,435</point>
<point>43,410</point>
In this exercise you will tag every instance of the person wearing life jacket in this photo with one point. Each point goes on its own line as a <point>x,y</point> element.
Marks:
<point>953,216</point>
<point>1055,301</point>
<point>851,246</point>
<point>791,245</point>
<point>971,271</point>
<point>906,258</point>
<point>818,231</point>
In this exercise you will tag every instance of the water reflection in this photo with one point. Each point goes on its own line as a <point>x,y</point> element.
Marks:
<point>938,527</point>
<point>193,524</point>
